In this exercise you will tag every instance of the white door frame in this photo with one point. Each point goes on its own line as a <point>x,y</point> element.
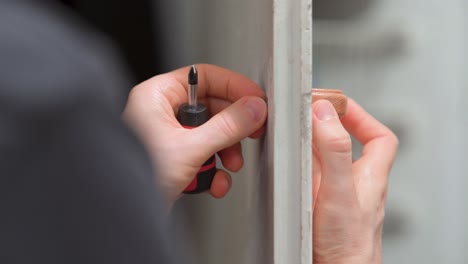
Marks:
<point>290,131</point>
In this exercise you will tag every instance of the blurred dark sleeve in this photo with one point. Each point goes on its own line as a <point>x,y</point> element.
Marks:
<point>75,185</point>
<point>132,27</point>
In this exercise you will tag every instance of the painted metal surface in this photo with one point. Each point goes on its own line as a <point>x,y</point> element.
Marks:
<point>266,218</point>
<point>291,121</point>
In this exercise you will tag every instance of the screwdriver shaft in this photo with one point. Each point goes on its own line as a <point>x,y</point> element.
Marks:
<point>193,86</point>
<point>192,95</point>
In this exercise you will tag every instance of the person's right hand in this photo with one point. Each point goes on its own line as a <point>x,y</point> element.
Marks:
<point>349,197</point>
<point>238,109</point>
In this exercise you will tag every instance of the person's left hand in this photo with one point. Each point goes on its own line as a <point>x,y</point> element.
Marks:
<point>349,196</point>
<point>239,110</point>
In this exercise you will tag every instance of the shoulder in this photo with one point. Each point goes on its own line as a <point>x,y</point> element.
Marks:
<point>51,60</point>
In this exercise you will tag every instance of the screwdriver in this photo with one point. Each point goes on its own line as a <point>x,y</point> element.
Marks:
<point>190,115</point>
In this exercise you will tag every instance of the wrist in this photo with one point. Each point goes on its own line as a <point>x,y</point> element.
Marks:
<point>358,259</point>
<point>370,254</point>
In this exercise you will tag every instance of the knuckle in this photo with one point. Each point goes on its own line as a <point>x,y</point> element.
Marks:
<point>134,92</point>
<point>340,143</point>
<point>392,139</point>
<point>227,125</point>
<point>137,95</point>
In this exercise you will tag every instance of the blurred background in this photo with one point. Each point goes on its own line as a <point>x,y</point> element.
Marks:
<point>404,61</point>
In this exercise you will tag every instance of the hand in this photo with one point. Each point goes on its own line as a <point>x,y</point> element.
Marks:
<point>349,196</point>
<point>239,111</point>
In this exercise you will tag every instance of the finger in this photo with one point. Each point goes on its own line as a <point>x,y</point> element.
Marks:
<point>380,144</point>
<point>259,133</point>
<point>216,105</point>
<point>161,89</point>
<point>333,148</point>
<point>214,81</point>
<point>316,173</point>
<point>232,157</point>
<point>221,184</point>
<point>230,126</point>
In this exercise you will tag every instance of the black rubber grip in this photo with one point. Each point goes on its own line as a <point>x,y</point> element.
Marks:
<point>190,117</point>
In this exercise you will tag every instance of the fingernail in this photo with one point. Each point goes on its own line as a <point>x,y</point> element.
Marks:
<point>325,111</point>
<point>255,107</point>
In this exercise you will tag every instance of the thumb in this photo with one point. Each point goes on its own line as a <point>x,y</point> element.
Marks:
<point>333,145</point>
<point>231,125</point>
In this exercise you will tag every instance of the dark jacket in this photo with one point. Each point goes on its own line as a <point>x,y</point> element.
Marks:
<point>76,186</point>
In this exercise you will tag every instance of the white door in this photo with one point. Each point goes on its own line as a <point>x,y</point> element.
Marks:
<point>266,218</point>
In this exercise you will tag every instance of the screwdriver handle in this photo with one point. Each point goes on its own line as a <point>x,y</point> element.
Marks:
<point>191,117</point>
